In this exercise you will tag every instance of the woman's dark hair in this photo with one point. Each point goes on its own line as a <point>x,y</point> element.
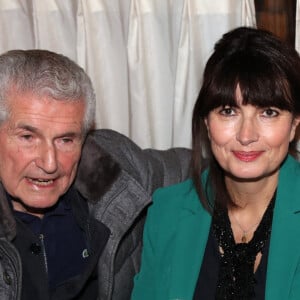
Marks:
<point>268,74</point>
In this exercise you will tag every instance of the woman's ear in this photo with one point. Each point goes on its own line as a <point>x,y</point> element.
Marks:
<point>295,130</point>
<point>207,127</point>
<point>205,121</point>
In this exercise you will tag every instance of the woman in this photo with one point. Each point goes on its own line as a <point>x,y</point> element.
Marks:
<point>233,232</point>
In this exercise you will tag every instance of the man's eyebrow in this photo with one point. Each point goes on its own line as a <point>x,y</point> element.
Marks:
<point>33,129</point>
<point>71,134</point>
<point>28,127</point>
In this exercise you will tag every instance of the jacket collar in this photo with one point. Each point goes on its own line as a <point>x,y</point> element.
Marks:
<point>191,237</point>
<point>284,253</point>
<point>8,226</point>
<point>192,229</point>
<point>99,176</point>
<point>96,170</point>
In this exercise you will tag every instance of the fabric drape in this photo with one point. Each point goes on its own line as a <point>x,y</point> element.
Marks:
<point>145,57</point>
<point>297,30</point>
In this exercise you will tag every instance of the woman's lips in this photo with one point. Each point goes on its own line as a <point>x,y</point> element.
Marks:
<point>247,156</point>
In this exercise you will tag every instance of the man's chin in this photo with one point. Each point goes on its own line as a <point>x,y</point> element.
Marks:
<point>37,207</point>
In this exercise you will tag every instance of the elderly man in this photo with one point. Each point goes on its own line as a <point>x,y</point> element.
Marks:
<point>71,215</point>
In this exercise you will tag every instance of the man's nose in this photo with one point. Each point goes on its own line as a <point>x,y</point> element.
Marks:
<point>47,158</point>
<point>247,132</point>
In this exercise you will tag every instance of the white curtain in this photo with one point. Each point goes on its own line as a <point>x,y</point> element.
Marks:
<point>297,31</point>
<point>145,57</point>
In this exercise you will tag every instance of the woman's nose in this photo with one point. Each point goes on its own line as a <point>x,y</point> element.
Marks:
<point>247,132</point>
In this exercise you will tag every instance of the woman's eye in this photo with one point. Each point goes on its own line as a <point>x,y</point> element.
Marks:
<point>270,112</point>
<point>227,111</point>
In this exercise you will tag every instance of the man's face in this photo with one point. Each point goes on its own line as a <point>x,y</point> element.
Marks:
<point>40,146</point>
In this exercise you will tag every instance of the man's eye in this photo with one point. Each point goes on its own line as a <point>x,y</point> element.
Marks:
<point>68,144</point>
<point>26,137</point>
<point>67,140</point>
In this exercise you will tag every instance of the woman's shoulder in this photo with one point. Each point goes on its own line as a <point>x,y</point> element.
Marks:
<point>290,167</point>
<point>168,205</point>
<point>176,195</point>
<point>176,189</point>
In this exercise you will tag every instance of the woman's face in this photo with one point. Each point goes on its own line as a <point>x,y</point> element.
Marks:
<point>250,142</point>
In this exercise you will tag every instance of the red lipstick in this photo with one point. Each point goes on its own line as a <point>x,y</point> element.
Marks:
<point>247,156</point>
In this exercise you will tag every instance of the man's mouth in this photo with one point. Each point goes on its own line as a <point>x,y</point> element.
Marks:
<point>41,182</point>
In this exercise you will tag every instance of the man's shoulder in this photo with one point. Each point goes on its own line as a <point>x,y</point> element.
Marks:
<point>108,139</point>
<point>108,134</point>
<point>118,147</point>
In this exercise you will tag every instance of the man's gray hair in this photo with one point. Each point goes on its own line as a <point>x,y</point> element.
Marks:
<point>45,73</point>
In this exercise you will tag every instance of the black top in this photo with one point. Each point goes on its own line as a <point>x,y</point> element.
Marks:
<point>63,265</point>
<point>208,277</point>
<point>61,240</point>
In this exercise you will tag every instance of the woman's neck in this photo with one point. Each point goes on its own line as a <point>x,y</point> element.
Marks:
<point>252,195</point>
<point>251,199</point>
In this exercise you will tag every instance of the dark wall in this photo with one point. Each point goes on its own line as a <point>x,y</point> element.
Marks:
<point>277,16</point>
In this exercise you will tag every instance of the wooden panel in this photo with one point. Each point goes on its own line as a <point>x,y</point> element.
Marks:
<point>277,16</point>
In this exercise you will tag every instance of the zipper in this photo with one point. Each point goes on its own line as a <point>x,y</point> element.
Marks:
<point>41,238</point>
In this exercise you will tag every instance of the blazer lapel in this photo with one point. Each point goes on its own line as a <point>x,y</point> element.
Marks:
<point>191,238</point>
<point>284,255</point>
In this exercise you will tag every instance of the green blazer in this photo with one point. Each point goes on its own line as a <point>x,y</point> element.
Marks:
<point>176,233</point>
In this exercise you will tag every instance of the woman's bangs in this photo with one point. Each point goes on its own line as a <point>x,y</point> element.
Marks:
<point>222,90</point>
<point>265,89</point>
